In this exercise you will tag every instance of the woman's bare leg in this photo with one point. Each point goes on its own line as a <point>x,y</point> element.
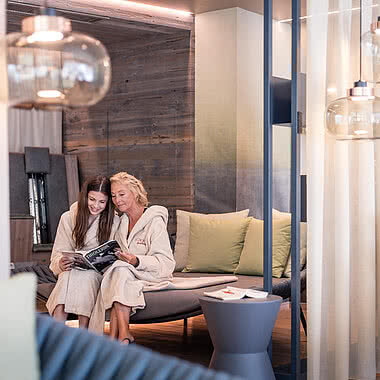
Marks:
<point>113,324</point>
<point>59,313</point>
<point>123,313</point>
<point>83,321</point>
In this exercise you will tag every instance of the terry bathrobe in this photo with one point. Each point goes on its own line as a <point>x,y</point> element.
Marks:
<point>76,289</point>
<point>122,282</point>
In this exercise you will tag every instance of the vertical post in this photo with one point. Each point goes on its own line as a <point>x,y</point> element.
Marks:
<point>268,164</point>
<point>4,156</point>
<point>295,198</point>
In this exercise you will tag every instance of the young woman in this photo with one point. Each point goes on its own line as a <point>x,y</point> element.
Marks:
<point>90,222</point>
<point>145,257</point>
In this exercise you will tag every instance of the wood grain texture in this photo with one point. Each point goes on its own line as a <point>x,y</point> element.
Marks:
<point>123,10</point>
<point>21,239</point>
<point>72,177</point>
<point>145,124</point>
<point>108,30</point>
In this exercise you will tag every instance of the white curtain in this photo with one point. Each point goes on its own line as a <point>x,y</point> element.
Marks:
<point>35,128</point>
<point>343,215</point>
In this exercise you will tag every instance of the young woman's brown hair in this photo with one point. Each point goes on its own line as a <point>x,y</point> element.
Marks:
<point>100,184</point>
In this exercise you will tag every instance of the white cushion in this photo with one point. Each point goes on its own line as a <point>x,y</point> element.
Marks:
<point>18,353</point>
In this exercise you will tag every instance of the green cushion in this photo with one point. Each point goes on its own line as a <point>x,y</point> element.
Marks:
<point>251,259</point>
<point>181,249</point>
<point>215,245</point>
<point>303,243</point>
<point>303,251</point>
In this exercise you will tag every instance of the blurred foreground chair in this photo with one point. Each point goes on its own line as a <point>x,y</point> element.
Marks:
<point>71,353</point>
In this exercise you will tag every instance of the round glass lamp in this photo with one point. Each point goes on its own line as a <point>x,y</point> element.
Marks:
<point>49,67</point>
<point>370,45</point>
<point>355,117</point>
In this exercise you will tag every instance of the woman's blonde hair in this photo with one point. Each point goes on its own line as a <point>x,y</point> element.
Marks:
<point>133,184</point>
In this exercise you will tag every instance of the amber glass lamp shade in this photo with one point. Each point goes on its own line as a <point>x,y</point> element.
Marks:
<point>355,117</point>
<point>49,67</point>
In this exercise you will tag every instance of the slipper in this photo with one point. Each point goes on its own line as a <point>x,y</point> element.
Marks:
<point>129,341</point>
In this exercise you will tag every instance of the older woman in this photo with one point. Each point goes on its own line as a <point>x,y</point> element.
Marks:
<point>89,222</point>
<point>145,257</point>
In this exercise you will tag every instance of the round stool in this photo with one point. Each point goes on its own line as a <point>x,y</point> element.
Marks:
<point>240,331</point>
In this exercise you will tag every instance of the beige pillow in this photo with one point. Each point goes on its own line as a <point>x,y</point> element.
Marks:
<point>251,259</point>
<point>215,245</point>
<point>183,231</point>
<point>303,243</point>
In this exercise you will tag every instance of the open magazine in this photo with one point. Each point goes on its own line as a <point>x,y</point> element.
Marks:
<point>99,258</point>
<point>232,293</point>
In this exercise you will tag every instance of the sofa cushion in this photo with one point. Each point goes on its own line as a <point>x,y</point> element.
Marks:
<point>169,305</point>
<point>215,244</point>
<point>183,232</point>
<point>251,259</point>
<point>303,243</point>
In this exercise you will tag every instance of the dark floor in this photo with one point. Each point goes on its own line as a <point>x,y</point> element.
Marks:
<point>195,345</point>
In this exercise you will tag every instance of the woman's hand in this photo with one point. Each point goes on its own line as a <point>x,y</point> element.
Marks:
<point>127,257</point>
<point>65,263</point>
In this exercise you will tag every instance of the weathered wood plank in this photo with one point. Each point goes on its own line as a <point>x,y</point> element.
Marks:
<point>150,128</point>
<point>21,231</point>
<point>71,162</point>
<point>124,10</point>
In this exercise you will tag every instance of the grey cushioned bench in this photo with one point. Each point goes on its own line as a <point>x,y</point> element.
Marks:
<point>169,305</point>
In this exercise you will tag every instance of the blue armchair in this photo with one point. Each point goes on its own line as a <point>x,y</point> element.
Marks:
<point>66,353</point>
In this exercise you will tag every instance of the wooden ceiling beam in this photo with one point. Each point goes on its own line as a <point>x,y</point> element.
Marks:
<point>120,9</point>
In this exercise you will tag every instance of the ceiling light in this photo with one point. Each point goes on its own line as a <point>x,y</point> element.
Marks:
<point>157,8</point>
<point>50,67</point>
<point>49,94</point>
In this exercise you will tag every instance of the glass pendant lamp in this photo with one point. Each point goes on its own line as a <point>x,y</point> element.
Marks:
<point>371,53</point>
<point>356,116</point>
<point>50,67</point>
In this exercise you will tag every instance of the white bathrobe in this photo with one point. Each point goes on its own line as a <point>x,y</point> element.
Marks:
<point>75,289</point>
<point>122,282</point>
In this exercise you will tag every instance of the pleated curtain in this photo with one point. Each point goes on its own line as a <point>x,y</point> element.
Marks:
<point>34,128</point>
<point>343,289</point>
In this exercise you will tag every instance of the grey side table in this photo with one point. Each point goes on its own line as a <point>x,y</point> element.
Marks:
<point>240,331</point>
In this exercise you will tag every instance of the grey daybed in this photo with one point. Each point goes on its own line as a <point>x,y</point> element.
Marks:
<point>169,305</point>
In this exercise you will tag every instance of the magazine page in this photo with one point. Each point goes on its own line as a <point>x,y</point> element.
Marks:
<point>78,260</point>
<point>226,294</point>
<point>232,293</point>
<point>103,256</point>
<point>252,293</point>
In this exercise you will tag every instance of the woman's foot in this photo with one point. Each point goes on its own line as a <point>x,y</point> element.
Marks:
<point>128,340</point>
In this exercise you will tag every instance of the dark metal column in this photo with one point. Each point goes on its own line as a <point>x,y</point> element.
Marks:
<point>268,164</point>
<point>295,198</point>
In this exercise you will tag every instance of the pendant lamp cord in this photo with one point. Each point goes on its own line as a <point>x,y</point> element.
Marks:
<point>107,139</point>
<point>360,48</point>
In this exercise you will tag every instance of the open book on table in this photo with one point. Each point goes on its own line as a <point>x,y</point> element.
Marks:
<point>232,293</point>
<point>99,258</point>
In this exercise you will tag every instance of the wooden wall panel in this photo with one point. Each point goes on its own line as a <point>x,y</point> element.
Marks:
<point>21,231</point>
<point>71,162</point>
<point>150,113</point>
